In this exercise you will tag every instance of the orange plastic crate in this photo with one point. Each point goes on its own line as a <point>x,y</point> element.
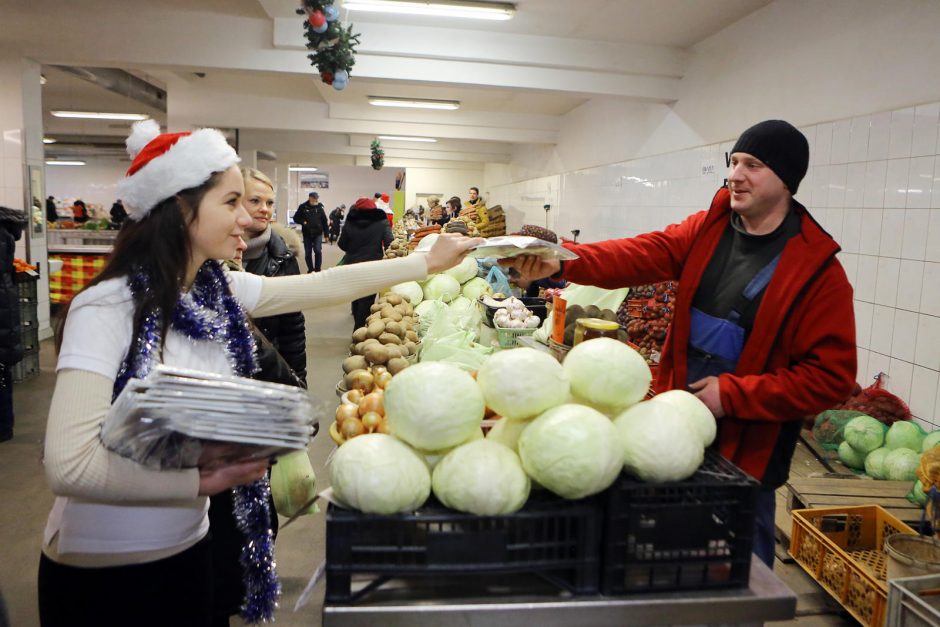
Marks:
<point>843,549</point>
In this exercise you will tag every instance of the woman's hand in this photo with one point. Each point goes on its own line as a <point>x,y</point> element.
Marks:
<point>449,250</point>
<point>532,268</point>
<point>224,477</point>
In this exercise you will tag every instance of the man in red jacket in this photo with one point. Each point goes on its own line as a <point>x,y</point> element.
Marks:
<point>763,330</point>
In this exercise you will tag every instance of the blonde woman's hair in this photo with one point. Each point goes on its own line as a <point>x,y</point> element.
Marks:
<point>258,175</point>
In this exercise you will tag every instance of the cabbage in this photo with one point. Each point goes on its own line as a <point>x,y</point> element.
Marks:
<point>428,311</point>
<point>434,457</point>
<point>463,271</point>
<point>875,463</point>
<point>905,434</point>
<point>932,440</point>
<point>475,288</point>
<point>483,478</point>
<point>917,496</point>
<point>507,432</point>
<point>379,474</point>
<point>699,416</point>
<point>606,373</point>
<point>410,290</point>
<point>572,450</point>
<point>864,434</point>
<point>901,464</point>
<point>461,305</point>
<point>441,287</point>
<point>657,443</point>
<point>851,457</point>
<point>522,382</point>
<point>433,405</point>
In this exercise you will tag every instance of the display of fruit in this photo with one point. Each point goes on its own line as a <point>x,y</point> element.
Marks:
<point>646,314</point>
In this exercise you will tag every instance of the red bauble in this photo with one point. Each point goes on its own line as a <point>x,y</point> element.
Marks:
<point>316,19</point>
<point>327,77</point>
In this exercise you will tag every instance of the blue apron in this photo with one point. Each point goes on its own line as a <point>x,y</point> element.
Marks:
<point>715,344</point>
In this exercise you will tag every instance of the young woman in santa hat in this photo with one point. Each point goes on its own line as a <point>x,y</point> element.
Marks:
<point>125,544</point>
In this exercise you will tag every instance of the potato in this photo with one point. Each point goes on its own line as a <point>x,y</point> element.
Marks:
<point>396,328</point>
<point>376,329</point>
<point>375,307</point>
<point>392,298</point>
<point>376,354</point>
<point>411,336</point>
<point>374,317</point>
<point>389,313</point>
<point>407,309</point>
<point>356,362</point>
<point>412,347</point>
<point>408,321</point>
<point>360,334</point>
<point>389,338</point>
<point>397,365</point>
<point>394,350</point>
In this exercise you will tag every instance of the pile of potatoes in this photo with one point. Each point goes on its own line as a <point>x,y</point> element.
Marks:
<point>388,338</point>
<point>399,245</point>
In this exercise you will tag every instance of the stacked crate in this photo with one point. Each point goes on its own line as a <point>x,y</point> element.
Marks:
<point>26,287</point>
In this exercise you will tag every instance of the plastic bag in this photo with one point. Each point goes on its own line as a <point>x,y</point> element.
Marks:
<point>446,340</point>
<point>829,428</point>
<point>293,484</point>
<point>878,402</point>
<point>498,281</point>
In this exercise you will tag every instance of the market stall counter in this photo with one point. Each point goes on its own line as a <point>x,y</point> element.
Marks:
<point>437,601</point>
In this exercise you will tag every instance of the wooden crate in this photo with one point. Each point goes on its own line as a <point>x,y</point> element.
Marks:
<point>823,492</point>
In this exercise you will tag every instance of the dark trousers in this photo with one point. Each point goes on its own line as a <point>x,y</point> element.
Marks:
<point>361,309</point>
<point>6,402</point>
<point>764,539</point>
<point>174,591</point>
<point>313,243</point>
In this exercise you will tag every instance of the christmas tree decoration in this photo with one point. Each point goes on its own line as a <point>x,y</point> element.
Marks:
<point>378,155</point>
<point>332,47</point>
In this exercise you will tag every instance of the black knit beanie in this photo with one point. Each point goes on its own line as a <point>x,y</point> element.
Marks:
<point>781,147</point>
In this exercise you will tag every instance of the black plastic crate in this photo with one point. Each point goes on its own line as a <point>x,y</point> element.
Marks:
<point>685,535</point>
<point>538,307</point>
<point>556,539</point>
<point>29,315</point>
<point>26,287</point>
<point>29,336</point>
<point>27,367</point>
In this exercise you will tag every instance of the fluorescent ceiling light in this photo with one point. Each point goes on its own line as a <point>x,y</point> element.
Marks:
<point>397,138</point>
<point>48,140</point>
<point>54,162</point>
<point>300,168</point>
<point>414,103</point>
<point>93,115</point>
<point>468,9</point>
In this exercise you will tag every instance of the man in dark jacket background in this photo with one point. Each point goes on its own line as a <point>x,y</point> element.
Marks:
<point>364,238</point>
<point>312,220</point>
<point>11,341</point>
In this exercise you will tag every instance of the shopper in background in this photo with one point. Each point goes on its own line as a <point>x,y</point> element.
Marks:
<point>79,212</point>
<point>126,544</point>
<point>763,331</point>
<point>365,237</point>
<point>52,215</point>
<point>12,223</point>
<point>273,251</point>
<point>437,214</point>
<point>476,209</point>
<point>312,220</point>
<point>453,208</point>
<point>118,214</point>
<point>336,222</point>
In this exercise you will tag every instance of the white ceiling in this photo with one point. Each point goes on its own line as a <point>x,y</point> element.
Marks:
<point>515,79</point>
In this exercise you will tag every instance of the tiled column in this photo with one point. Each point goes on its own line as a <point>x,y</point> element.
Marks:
<point>21,147</point>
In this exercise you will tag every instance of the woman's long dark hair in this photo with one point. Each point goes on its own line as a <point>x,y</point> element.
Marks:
<point>158,245</point>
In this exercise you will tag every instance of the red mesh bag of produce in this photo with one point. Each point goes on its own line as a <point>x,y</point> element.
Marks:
<point>878,402</point>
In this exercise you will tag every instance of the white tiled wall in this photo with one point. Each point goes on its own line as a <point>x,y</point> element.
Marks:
<point>873,184</point>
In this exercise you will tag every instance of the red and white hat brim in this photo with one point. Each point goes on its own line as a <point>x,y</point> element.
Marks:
<point>188,163</point>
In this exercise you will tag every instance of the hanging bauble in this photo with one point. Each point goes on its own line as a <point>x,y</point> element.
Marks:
<point>331,13</point>
<point>341,75</point>
<point>322,28</point>
<point>317,19</point>
<point>340,85</point>
<point>327,77</point>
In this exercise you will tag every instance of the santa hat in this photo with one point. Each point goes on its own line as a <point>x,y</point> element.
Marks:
<point>164,164</point>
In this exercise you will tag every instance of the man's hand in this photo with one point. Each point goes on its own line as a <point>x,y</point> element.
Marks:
<point>707,391</point>
<point>532,268</point>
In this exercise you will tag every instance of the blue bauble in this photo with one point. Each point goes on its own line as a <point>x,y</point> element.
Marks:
<point>339,85</point>
<point>321,29</point>
<point>341,75</point>
<point>331,13</point>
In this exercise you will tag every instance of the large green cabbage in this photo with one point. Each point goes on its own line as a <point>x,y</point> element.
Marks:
<point>865,434</point>
<point>410,290</point>
<point>699,416</point>
<point>464,271</point>
<point>483,478</point>
<point>522,382</point>
<point>572,450</point>
<point>441,287</point>
<point>474,288</point>
<point>658,444</point>
<point>905,434</point>
<point>901,464</point>
<point>433,405</point>
<point>507,432</point>
<point>932,440</point>
<point>607,374</point>
<point>379,474</point>
<point>851,457</point>
<point>875,463</point>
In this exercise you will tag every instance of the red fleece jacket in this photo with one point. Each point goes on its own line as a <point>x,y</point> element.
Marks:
<point>800,356</point>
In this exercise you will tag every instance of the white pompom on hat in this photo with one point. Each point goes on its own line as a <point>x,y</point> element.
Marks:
<point>164,164</point>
